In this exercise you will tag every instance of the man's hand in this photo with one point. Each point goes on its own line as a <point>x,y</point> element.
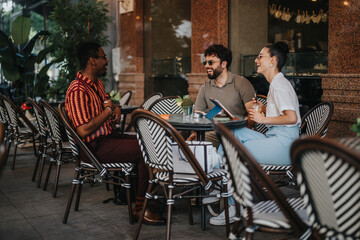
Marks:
<point>116,115</point>
<point>192,136</point>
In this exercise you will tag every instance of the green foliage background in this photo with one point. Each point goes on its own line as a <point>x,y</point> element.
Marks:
<point>71,24</point>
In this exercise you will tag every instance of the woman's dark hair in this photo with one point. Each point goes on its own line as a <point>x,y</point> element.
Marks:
<point>221,52</point>
<point>87,50</point>
<point>280,50</point>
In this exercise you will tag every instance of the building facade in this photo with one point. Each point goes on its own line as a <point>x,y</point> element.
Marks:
<point>239,24</point>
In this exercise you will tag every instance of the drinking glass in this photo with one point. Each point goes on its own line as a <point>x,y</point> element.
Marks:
<point>188,111</point>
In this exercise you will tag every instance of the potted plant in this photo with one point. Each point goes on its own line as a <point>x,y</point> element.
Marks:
<point>73,22</point>
<point>356,127</point>
<point>18,61</point>
<point>186,104</point>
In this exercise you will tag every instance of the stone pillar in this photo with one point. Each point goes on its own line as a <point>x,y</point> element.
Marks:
<point>342,83</point>
<point>132,75</point>
<point>209,25</point>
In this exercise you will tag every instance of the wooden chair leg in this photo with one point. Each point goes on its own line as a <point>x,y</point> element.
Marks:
<point>203,213</point>
<point>14,157</point>
<point>41,169</point>
<point>169,208</point>
<point>71,195</point>
<point>37,162</point>
<point>128,199</point>
<point>78,196</point>
<point>226,206</point>
<point>48,175</point>
<point>140,220</point>
<point>191,219</point>
<point>57,176</point>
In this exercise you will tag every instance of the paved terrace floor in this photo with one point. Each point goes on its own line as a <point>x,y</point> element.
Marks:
<point>27,212</point>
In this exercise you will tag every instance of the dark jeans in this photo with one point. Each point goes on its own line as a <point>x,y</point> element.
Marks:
<point>121,148</point>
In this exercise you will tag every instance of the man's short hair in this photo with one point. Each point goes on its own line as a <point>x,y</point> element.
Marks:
<point>87,50</point>
<point>221,52</point>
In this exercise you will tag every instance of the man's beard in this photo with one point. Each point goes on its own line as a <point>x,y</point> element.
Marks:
<point>216,72</point>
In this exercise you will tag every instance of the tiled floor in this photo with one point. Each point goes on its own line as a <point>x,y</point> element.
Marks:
<point>27,212</point>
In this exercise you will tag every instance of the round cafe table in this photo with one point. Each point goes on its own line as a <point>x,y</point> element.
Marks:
<point>202,125</point>
<point>125,109</point>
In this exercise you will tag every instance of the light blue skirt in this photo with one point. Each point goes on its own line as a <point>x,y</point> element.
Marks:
<point>272,148</point>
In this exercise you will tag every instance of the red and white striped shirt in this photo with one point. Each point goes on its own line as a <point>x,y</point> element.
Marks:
<point>84,101</point>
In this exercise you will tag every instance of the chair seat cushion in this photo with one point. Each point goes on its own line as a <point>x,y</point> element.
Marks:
<point>189,178</point>
<point>267,213</point>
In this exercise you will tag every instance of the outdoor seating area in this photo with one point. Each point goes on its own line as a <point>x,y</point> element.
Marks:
<point>281,211</point>
<point>179,119</point>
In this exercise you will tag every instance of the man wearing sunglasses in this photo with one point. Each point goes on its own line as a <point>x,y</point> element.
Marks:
<point>233,91</point>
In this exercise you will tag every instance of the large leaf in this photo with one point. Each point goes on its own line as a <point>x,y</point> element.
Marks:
<point>10,71</point>
<point>30,45</point>
<point>7,49</point>
<point>42,54</point>
<point>20,29</point>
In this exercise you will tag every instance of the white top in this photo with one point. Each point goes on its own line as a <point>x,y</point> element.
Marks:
<point>282,97</point>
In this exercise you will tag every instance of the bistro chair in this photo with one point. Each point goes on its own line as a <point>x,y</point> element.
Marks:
<point>23,131</point>
<point>328,173</point>
<point>125,98</point>
<point>155,136</point>
<point>44,143</point>
<point>259,127</point>
<point>88,170</point>
<point>146,104</point>
<point>314,123</point>
<point>277,214</point>
<point>9,133</point>
<point>61,147</point>
<point>165,105</point>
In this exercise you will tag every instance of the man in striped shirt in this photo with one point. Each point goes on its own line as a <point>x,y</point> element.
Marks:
<point>92,113</point>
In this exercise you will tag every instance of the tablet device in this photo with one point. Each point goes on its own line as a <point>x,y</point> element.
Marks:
<point>218,107</point>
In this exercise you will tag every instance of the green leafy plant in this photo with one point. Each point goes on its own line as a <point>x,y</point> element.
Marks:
<point>356,127</point>
<point>184,101</point>
<point>114,96</point>
<point>18,61</point>
<point>73,22</point>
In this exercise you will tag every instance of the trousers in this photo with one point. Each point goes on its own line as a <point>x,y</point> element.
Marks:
<point>121,148</point>
<point>273,147</point>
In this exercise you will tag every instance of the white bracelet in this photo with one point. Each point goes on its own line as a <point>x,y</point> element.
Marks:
<point>111,111</point>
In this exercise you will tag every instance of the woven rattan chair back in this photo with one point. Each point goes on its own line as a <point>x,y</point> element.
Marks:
<point>125,98</point>
<point>165,105</point>
<point>315,122</point>
<point>259,127</point>
<point>88,171</point>
<point>247,177</point>
<point>155,136</point>
<point>23,130</point>
<point>150,100</point>
<point>328,173</point>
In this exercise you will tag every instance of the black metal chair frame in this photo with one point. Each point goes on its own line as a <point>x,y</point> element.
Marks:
<point>61,152</point>
<point>328,173</point>
<point>89,172</point>
<point>199,181</point>
<point>23,131</point>
<point>244,171</point>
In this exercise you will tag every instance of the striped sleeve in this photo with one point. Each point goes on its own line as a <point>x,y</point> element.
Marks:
<point>78,109</point>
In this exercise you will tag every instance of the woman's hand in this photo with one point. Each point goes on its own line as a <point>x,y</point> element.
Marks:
<point>256,116</point>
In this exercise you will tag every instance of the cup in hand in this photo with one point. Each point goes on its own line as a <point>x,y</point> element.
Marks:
<point>256,106</point>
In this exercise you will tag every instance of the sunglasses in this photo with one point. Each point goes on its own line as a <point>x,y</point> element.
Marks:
<point>210,62</point>
<point>103,57</point>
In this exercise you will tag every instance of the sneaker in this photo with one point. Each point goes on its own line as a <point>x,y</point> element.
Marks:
<point>220,219</point>
<point>214,197</point>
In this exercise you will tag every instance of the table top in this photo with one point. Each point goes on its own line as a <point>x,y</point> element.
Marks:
<point>201,124</point>
<point>127,108</point>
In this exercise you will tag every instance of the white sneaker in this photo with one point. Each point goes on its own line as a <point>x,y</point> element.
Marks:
<point>220,219</point>
<point>214,197</point>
